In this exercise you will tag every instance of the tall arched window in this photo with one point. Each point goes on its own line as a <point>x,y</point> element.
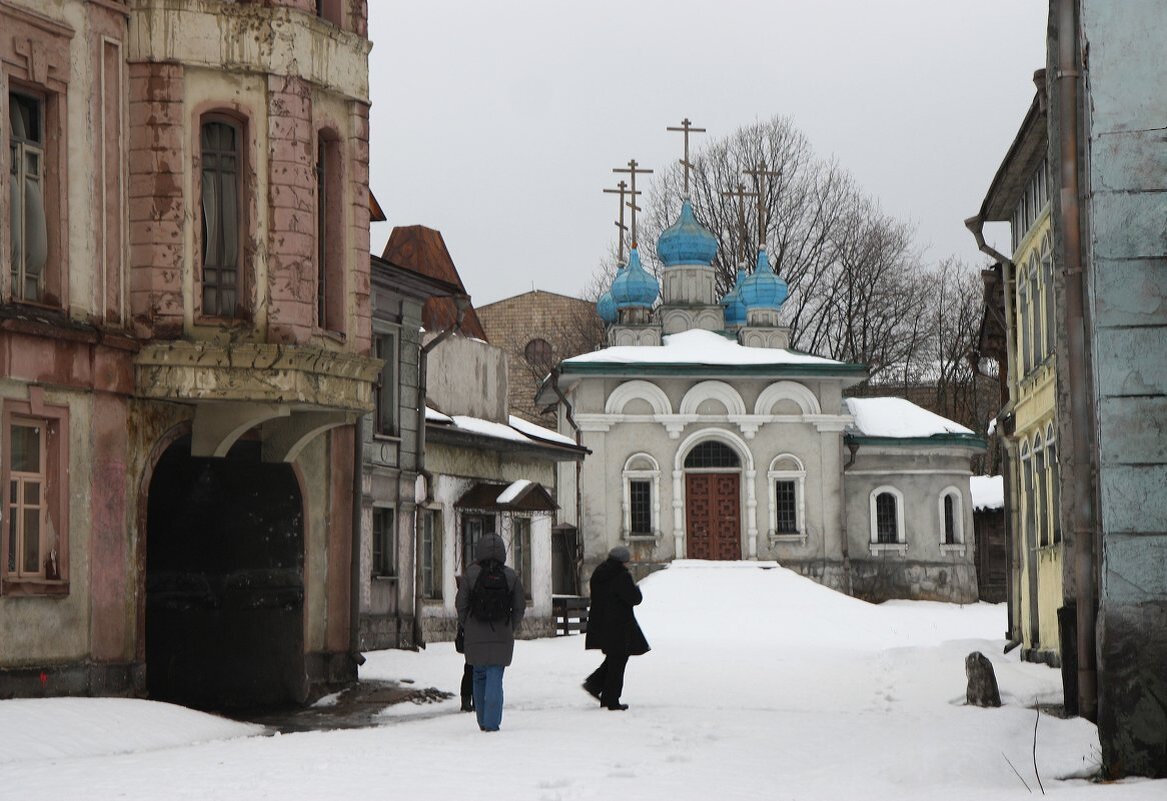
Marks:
<point>330,250</point>
<point>787,498</point>
<point>1041,487</point>
<point>1055,483</point>
<point>951,519</point>
<point>887,520</point>
<point>1049,306</point>
<point>1028,519</point>
<point>641,504</point>
<point>220,187</point>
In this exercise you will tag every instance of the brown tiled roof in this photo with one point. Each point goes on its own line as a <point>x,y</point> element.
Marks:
<point>422,250</point>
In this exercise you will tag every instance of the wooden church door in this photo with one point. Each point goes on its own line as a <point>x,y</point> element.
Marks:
<point>713,525</point>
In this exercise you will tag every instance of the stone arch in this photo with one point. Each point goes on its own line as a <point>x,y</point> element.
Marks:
<point>646,391</point>
<point>787,390</point>
<point>718,391</point>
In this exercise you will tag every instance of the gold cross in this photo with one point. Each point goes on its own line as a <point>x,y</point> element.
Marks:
<point>621,190</point>
<point>741,194</point>
<point>686,128</point>
<point>633,169</point>
<point>760,173</point>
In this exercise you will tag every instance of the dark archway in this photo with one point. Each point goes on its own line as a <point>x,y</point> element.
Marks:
<point>224,580</point>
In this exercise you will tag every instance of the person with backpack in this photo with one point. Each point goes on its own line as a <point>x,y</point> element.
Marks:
<point>490,604</point>
<point>612,627</point>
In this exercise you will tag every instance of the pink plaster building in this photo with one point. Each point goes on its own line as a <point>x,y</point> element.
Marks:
<point>184,345</point>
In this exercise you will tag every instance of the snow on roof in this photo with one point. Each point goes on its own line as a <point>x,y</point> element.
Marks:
<point>518,430</point>
<point>510,493</point>
<point>988,492</point>
<point>435,416</point>
<point>539,432</point>
<point>696,347</point>
<point>899,418</point>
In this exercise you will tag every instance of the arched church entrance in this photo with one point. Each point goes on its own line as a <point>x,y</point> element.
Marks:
<point>224,580</point>
<point>713,502</point>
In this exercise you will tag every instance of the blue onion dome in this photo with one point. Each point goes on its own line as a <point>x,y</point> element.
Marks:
<point>606,307</point>
<point>735,309</point>
<point>686,241</point>
<point>634,286</point>
<point>763,289</point>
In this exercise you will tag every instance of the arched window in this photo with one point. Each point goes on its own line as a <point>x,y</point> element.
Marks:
<point>221,204</point>
<point>641,504</point>
<point>330,250</point>
<point>787,498</point>
<point>1041,491</point>
<point>1028,521</point>
<point>951,519</point>
<point>712,454</point>
<point>1055,476</point>
<point>1048,300</point>
<point>887,520</point>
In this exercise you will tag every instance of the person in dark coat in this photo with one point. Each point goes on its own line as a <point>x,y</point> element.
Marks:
<point>612,627</point>
<point>489,645</point>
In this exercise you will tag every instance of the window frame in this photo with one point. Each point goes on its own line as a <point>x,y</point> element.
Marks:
<point>383,559</point>
<point>797,475</point>
<point>54,495</point>
<point>386,389</point>
<point>432,538</point>
<point>522,527</point>
<point>641,466</point>
<point>52,285</point>
<point>239,309</point>
<point>330,249</point>
<point>900,545</point>
<point>958,543</point>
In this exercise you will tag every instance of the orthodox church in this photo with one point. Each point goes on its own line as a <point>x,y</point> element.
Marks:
<point>711,439</point>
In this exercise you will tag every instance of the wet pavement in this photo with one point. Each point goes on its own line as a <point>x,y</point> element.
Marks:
<point>354,707</point>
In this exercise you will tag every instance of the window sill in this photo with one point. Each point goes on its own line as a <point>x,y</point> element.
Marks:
<point>385,579</point>
<point>386,437</point>
<point>956,548</point>
<point>900,548</point>
<point>17,587</point>
<point>336,336</point>
<point>776,539</point>
<point>642,537</point>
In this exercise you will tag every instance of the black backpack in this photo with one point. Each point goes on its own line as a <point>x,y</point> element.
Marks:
<point>490,597</point>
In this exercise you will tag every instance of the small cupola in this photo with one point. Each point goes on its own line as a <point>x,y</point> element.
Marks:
<point>686,241</point>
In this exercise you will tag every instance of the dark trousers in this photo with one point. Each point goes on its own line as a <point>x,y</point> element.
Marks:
<point>608,678</point>
<point>467,684</point>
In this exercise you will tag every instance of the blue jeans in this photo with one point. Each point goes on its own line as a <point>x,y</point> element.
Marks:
<point>488,696</point>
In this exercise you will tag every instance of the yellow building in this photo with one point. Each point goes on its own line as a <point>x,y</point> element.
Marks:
<point>1019,195</point>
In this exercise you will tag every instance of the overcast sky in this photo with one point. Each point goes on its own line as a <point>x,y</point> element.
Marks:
<point>499,123</point>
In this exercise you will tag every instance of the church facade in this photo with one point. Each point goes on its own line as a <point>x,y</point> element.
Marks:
<point>711,439</point>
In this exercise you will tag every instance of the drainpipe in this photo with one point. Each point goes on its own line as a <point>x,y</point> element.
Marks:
<point>1068,77</point>
<point>570,417</point>
<point>848,587</point>
<point>354,642</point>
<point>461,304</point>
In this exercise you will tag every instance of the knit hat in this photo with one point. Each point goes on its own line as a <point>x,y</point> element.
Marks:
<point>620,554</point>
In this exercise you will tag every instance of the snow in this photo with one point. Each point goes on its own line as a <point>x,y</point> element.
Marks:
<point>896,417</point>
<point>696,347</point>
<point>988,492</point>
<point>539,432</point>
<point>761,685</point>
<point>512,491</point>
<point>516,429</point>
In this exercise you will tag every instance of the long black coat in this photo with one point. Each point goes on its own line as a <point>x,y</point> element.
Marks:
<point>612,626</point>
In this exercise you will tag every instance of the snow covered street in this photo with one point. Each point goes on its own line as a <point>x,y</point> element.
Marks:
<point>760,684</point>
